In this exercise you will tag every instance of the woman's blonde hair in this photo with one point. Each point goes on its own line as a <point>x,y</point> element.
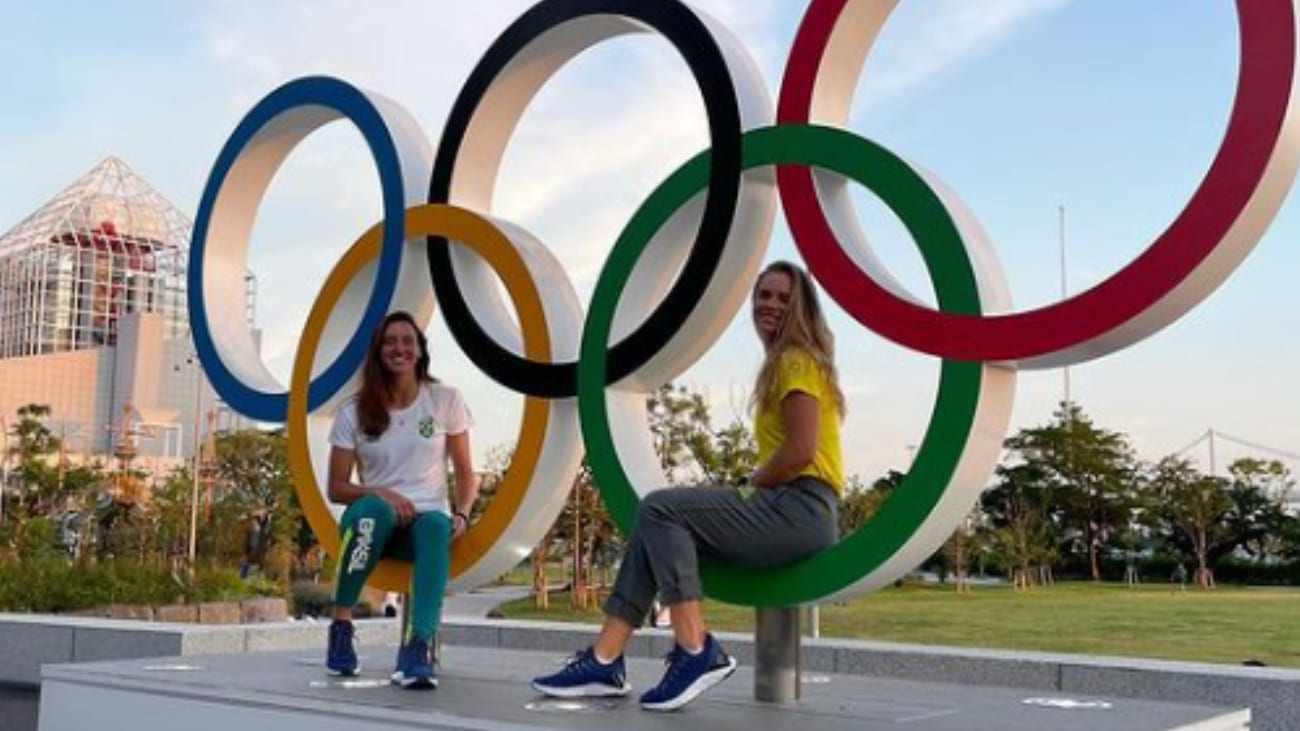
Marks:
<point>803,328</point>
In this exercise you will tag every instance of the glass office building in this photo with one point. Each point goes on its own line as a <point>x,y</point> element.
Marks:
<point>94,323</point>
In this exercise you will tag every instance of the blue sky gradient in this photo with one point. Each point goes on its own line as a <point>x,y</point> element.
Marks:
<point>1111,108</point>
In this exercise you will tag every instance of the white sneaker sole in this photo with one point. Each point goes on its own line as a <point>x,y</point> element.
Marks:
<point>693,691</point>
<point>591,690</point>
<point>416,683</point>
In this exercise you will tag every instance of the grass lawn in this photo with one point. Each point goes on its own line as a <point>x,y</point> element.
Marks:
<point>1227,625</point>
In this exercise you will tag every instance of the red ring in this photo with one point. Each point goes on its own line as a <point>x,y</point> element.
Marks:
<point>1099,320</point>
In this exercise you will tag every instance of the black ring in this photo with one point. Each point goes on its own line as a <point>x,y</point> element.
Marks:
<point>680,26</point>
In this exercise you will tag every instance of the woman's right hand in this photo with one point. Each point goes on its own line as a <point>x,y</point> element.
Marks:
<point>403,508</point>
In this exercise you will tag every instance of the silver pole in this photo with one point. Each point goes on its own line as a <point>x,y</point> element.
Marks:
<point>194,486</point>
<point>1214,468</point>
<point>4,465</point>
<point>776,654</point>
<point>1065,291</point>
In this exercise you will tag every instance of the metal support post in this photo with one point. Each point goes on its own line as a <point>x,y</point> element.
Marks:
<point>193,360</point>
<point>4,464</point>
<point>776,654</point>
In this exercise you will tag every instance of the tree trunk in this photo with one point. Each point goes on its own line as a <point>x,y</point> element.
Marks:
<point>1092,554</point>
<point>541,592</point>
<point>578,587</point>
<point>1203,579</point>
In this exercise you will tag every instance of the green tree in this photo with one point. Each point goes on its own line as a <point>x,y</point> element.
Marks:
<point>1093,476</point>
<point>34,439</point>
<point>30,449</point>
<point>168,511</point>
<point>1196,506</point>
<point>1211,517</point>
<point>1019,510</point>
<point>1256,522</point>
<point>679,425</point>
<point>728,454</point>
<point>859,502</point>
<point>254,485</point>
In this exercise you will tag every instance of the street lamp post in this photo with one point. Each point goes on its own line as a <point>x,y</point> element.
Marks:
<point>1065,292</point>
<point>4,465</point>
<point>193,361</point>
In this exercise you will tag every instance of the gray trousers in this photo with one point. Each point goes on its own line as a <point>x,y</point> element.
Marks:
<point>675,526</point>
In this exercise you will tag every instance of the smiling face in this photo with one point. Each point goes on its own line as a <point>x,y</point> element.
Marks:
<point>399,350</point>
<point>771,303</point>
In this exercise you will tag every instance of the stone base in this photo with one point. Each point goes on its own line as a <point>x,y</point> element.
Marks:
<point>1272,694</point>
<point>246,611</point>
<point>483,689</point>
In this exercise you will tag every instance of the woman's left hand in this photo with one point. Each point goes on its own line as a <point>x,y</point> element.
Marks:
<point>459,524</point>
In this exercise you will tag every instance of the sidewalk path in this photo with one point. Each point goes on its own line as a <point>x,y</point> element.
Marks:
<point>477,603</point>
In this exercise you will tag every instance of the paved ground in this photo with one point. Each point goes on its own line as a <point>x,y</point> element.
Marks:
<point>487,688</point>
<point>18,709</point>
<point>479,602</point>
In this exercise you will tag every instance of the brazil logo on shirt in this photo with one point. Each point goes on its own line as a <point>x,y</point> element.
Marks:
<point>426,427</point>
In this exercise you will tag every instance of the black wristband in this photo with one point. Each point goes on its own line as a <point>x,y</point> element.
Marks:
<point>457,514</point>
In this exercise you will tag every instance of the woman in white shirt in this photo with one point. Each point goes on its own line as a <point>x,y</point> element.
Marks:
<point>398,433</point>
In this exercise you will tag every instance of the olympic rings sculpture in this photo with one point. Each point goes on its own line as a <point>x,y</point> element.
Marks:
<point>584,377</point>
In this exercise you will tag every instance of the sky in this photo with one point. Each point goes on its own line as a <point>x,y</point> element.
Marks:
<point>1108,109</point>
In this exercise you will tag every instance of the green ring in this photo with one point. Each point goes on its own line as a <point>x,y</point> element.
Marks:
<point>928,221</point>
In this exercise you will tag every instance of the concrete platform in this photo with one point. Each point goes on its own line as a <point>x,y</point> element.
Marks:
<point>483,688</point>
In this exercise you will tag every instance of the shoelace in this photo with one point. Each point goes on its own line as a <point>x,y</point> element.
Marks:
<point>675,660</point>
<point>580,660</point>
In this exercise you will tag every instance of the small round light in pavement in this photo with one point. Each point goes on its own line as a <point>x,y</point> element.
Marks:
<point>173,667</point>
<point>1069,704</point>
<point>573,705</point>
<point>351,683</point>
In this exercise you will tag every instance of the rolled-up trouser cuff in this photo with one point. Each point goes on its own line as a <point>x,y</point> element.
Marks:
<point>686,589</point>
<point>618,608</point>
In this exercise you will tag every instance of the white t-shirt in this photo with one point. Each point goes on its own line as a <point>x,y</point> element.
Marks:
<point>411,455</point>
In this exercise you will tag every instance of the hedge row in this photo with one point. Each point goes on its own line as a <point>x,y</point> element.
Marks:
<point>49,585</point>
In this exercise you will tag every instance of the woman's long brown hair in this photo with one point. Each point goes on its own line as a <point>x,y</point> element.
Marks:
<point>376,381</point>
<point>804,328</point>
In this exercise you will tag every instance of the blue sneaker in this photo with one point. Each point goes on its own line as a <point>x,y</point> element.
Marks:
<point>341,654</point>
<point>585,676</point>
<point>415,666</point>
<point>688,676</point>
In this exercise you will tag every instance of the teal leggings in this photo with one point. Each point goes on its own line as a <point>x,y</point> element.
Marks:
<point>369,530</point>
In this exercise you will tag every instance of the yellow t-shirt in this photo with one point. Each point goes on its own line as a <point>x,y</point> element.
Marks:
<point>797,371</point>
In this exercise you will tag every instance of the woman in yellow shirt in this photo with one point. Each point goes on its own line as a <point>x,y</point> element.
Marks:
<point>785,511</point>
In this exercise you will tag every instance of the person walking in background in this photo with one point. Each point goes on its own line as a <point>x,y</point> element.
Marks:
<point>1178,579</point>
<point>785,511</point>
<point>399,432</point>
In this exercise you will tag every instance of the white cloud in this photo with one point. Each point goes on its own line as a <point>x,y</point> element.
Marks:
<point>919,44</point>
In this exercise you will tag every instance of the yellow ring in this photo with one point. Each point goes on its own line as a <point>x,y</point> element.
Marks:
<point>473,231</point>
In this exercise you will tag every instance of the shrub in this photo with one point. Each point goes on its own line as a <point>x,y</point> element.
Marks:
<point>54,585</point>
<point>311,599</point>
<point>36,540</point>
<point>216,584</point>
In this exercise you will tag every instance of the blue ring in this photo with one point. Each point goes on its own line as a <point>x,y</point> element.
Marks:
<point>352,104</point>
